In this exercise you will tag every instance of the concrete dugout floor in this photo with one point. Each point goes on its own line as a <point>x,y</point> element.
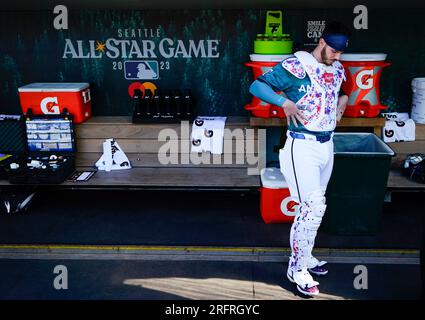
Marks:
<point>221,219</point>
<point>207,218</point>
<point>165,280</point>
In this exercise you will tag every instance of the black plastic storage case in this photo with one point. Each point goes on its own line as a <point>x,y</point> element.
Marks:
<point>47,140</point>
<point>12,141</point>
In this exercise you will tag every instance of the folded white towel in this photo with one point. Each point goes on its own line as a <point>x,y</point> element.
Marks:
<point>207,134</point>
<point>113,157</point>
<point>395,131</point>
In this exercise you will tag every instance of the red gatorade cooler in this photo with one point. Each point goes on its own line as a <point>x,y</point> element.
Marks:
<point>276,204</point>
<point>52,98</point>
<point>260,64</point>
<point>363,73</point>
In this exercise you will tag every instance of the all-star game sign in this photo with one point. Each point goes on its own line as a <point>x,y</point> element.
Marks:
<point>131,45</point>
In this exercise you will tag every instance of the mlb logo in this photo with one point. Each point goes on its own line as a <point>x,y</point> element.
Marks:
<point>146,70</point>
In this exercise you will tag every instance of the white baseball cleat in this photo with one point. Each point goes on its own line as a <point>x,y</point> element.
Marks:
<point>304,281</point>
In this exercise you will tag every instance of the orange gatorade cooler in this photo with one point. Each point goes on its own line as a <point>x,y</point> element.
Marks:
<point>363,71</point>
<point>52,98</point>
<point>260,64</point>
<point>276,204</point>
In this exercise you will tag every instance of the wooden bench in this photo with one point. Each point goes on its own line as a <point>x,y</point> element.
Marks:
<point>396,180</point>
<point>141,145</point>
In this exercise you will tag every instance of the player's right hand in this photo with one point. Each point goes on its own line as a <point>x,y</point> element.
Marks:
<point>292,113</point>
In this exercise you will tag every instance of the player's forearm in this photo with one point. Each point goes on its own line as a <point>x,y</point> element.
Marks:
<point>342,104</point>
<point>265,93</point>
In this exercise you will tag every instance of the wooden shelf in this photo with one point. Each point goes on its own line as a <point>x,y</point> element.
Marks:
<point>376,123</point>
<point>396,181</point>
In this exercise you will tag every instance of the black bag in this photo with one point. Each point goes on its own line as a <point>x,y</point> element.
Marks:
<point>414,167</point>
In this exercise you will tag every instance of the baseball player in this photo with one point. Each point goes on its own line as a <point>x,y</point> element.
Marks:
<point>313,105</point>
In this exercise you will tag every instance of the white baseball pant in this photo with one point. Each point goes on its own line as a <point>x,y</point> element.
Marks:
<point>307,167</point>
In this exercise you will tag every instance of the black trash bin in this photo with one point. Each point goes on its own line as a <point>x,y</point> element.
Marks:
<point>356,190</point>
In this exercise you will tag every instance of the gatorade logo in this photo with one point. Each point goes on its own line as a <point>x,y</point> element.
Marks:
<point>208,133</point>
<point>288,207</point>
<point>49,105</point>
<point>364,79</point>
<point>389,133</point>
<point>199,123</point>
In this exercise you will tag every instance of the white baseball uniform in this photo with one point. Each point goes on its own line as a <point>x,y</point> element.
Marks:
<point>306,160</point>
